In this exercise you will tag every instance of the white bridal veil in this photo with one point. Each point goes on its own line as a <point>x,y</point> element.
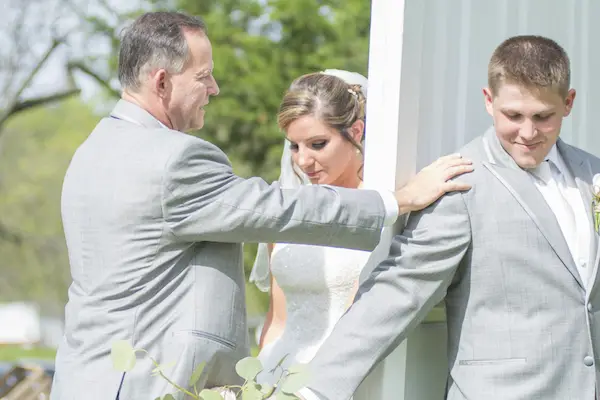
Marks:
<point>292,177</point>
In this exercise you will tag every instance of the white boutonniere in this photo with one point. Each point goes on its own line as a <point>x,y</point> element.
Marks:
<point>596,201</point>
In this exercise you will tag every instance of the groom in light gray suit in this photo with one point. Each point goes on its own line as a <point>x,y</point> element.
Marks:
<point>515,258</point>
<point>154,218</point>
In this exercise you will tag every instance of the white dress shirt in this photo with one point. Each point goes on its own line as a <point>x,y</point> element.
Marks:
<point>555,182</point>
<point>391,207</point>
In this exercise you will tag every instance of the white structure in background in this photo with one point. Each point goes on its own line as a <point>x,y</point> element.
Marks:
<point>19,324</point>
<point>23,324</point>
<point>427,66</point>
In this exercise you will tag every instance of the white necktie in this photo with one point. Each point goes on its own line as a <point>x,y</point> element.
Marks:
<point>554,181</point>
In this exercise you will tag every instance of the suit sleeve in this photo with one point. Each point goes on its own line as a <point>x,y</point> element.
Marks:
<point>395,298</point>
<point>203,200</point>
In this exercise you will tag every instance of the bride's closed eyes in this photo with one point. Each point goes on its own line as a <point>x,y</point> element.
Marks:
<point>317,145</point>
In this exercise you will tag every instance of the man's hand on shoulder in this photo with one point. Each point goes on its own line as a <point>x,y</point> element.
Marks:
<point>432,182</point>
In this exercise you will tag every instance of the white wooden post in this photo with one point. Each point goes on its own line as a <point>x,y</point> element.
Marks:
<point>417,368</point>
<point>427,66</point>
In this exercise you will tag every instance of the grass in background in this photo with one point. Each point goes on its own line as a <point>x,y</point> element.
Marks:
<point>11,353</point>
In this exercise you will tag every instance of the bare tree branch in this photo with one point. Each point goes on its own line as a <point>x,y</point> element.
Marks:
<point>17,50</point>
<point>97,23</point>
<point>21,63</point>
<point>4,115</point>
<point>27,104</point>
<point>102,81</point>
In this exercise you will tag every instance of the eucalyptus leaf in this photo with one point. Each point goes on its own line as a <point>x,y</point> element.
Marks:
<point>248,368</point>
<point>161,368</point>
<point>197,373</point>
<point>122,355</point>
<point>207,394</point>
<point>251,392</point>
<point>294,382</point>
<point>267,389</point>
<point>169,397</point>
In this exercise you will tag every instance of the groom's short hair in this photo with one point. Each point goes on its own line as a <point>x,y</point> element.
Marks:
<point>533,62</point>
<point>155,40</point>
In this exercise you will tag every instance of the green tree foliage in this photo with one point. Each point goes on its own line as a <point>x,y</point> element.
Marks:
<point>35,150</point>
<point>259,47</point>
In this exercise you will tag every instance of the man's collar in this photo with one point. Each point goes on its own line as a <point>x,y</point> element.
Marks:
<point>555,157</point>
<point>496,154</point>
<point>135,114</point>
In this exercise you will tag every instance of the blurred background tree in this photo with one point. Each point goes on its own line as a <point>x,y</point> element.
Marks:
<point>259,48</point>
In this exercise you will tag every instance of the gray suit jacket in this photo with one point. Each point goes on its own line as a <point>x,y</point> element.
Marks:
<point>520,323</point>
<point>154,221</point>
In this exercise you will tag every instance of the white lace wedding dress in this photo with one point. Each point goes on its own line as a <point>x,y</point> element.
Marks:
<point>319,284</point>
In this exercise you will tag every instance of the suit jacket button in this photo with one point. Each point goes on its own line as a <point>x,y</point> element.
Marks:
<point>588,361</point>
<point>589,307</point>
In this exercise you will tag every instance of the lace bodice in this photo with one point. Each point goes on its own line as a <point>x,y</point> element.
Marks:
<point>319,284</point>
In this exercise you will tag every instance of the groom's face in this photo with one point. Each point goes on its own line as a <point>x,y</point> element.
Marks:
<point>527,123</point>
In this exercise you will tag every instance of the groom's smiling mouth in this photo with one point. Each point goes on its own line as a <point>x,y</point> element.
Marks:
<point>529,146</point>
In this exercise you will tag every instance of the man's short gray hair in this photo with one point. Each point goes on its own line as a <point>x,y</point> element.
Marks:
<point>155,40</point>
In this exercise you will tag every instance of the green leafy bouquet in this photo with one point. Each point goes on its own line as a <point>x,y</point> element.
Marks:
<point>290,380</point>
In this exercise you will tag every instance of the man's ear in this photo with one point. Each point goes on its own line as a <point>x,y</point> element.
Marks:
<point>569,101</point>
<point>489,100</point>
<point>160,82</point>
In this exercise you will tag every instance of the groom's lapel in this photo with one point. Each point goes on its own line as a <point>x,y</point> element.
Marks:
<point>520,185</point>
<point>582,172</point>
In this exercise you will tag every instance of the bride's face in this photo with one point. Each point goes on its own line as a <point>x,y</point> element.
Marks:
<point>323,154</point>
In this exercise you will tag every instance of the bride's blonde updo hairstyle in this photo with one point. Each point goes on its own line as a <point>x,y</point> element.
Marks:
<point>337,98</point>
<point>327,98</point>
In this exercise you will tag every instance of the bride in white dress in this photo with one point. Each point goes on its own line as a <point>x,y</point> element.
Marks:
<point>311,287</point>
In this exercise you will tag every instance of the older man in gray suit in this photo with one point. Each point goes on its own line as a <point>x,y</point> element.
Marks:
<point>515,258</point>
<point>154,219</point>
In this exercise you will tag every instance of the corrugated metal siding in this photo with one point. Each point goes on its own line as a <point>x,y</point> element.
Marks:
<point>447,45</point>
